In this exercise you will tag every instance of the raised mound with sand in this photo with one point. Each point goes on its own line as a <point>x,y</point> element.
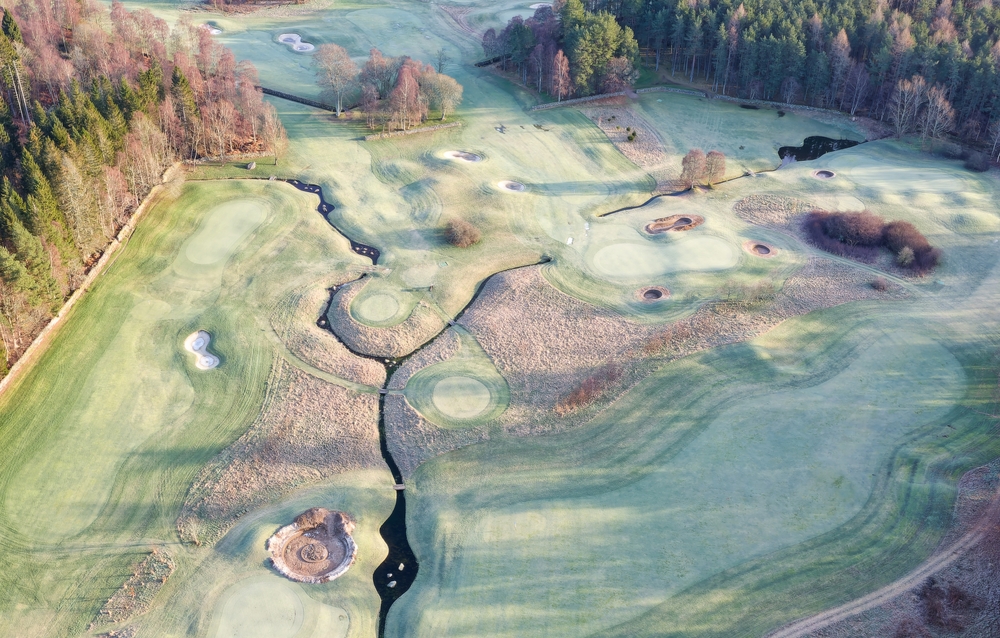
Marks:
<point>674,223</point>
<point>508,185</point>
<point>760,249</point>
<point>197,344</point>
<point>316,548</point>
<point>652,294</point>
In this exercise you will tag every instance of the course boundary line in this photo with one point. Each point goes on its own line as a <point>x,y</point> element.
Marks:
<point>40,342</point>
<point>934,564</point>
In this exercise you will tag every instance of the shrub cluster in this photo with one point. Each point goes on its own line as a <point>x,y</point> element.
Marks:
<point>860,235</point>
<point>591,388</point>
<point>461,233</point>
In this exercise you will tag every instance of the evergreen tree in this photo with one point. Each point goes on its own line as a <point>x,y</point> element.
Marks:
<point>187,108</point>
<point>10,28</point>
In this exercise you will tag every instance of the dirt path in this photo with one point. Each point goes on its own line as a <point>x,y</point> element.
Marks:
<point>936,563</point>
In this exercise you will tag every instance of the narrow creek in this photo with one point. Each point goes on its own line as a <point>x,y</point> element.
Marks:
<point>813,147</point>
<point>399,569</point>
<point>394,576</point>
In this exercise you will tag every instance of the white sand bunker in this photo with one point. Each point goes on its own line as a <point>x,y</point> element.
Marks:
<point>507,185</point>
<point>294,40</point>
<point>197,343</point>
<point>377,307</point>
<point>316,548</point>
<point>539,5</point>
<point>211,28</point>
<point>463,156</point>
<point>461,397</point>
<point>824,174</point>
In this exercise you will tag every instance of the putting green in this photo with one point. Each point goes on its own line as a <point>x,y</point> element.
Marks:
<point>886,175</point>
<point>377,308</point>
<point>640,261</point>
<point>223,229</point>
<point>461,397</point>
<point>270,607</point>
<point>463,391</point>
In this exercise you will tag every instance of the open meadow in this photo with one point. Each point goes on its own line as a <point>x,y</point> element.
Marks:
<point>706,428</point>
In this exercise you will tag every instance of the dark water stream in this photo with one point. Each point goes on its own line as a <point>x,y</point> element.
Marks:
<point>325,208</point>
<point>814,147</point>
<point>397,572</point>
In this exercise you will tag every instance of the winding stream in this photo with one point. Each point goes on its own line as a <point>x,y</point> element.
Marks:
<point>813,147</point>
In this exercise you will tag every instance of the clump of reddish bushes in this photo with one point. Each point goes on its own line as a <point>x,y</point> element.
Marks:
<point>590,389</point>
<point>861,235</point>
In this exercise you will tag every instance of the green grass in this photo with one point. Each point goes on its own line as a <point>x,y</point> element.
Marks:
<point>463,391</point>
<point>105,433</point>
<point>725,494</point>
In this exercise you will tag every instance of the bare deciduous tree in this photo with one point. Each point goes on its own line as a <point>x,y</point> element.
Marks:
<point>905,103</point>
<point>715,166</point>
<point>337,71</point>
<point>693,167</point>
<point>938,116</point>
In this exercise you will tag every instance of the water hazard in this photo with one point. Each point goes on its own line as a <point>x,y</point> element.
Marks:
<point>814,147</point>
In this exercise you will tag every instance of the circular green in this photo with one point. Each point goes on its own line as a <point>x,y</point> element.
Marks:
<point>458,393</point>
<point>377,308</point>
<point>461,397</point>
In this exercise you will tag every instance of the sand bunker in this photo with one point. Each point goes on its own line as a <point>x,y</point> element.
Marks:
<point>463,156</point>
<point>508,185</point>
<point>760,249</point>
<point>461,397</point>
<point>197,343</point>
<point>539,5</point>
<point>652,294</point>
<point>316,548</point>
<point>294,40</point>
<point>631,261</point>
<point>824,174</point>
<point>211,28</point>
<point>675,223</point>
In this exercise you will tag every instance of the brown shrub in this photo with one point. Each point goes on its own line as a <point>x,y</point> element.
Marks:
<point>591,388</point>
<point>861,229</point>
<point>880,284</point>
<point>899,234</point>
<point>461,233</point>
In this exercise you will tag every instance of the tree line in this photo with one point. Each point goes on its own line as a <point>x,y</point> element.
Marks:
<point>927,66</point>
<point>393,92</point>
<point>94,105</point>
